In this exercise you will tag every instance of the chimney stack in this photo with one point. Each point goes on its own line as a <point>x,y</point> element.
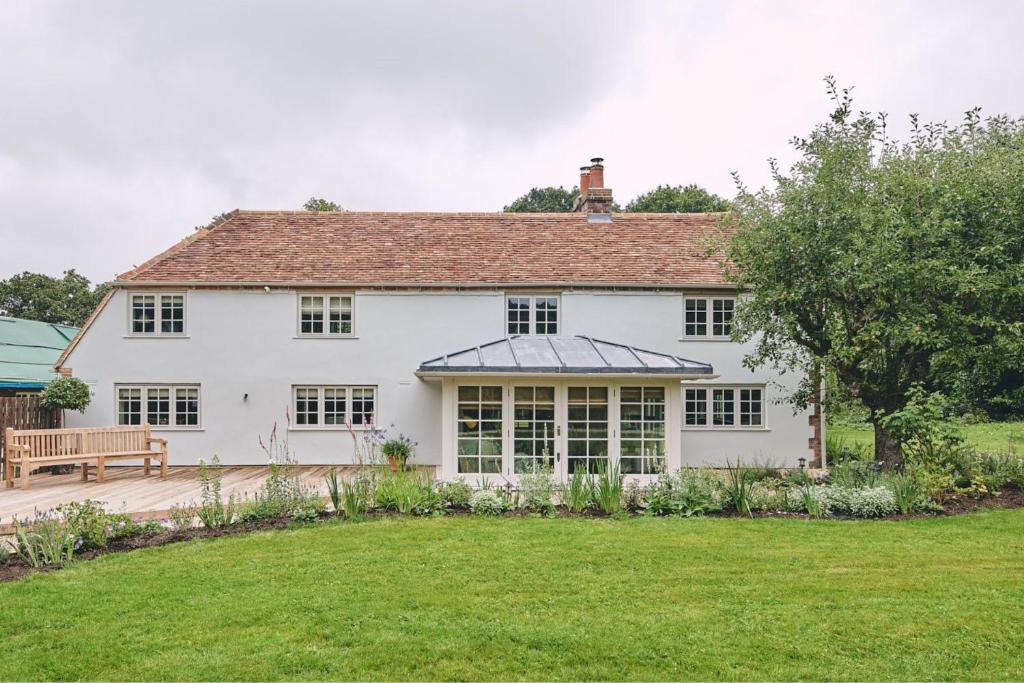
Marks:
<point>594,196</point>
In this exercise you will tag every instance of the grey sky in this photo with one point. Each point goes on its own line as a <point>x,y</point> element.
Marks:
<point>125,124</point>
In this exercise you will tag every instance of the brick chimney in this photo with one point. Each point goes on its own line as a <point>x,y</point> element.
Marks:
<point>594,196</point>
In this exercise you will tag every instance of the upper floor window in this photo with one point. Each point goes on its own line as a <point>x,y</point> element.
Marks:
<point>159,405</point>
<point>334,406</point>
<point>708,316</point>
<point>723,407</point>
<point>157,314</point>
<point>531,314</point>
<point>325,314</point>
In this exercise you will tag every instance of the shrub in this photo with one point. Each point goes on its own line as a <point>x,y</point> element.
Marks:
<point>455,495</point>
<point>212,511</point>
<point>407,493</point>
<point>333,489</point>
<point>357,495</point>
<point>869,502</point>
<point>307,509</point>
<point>537,490</point>
<point>182,516</point>
<point>66,393</point>
<point>88,521</point>
<point>809,499</point>
<point>837,450</point>
<point>45,541</point>
<point>633,497</point>
<point>486,502</point>
<point>279,496</point>
<point>607,489</point>
<point>770,495</point>
<point>689,492</point>
<point>853,474</point>
<point>905,491</point>
<point>578,494</point>
<point>737,488</point>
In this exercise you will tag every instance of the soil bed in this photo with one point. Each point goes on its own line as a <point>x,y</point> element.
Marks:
<point>13,568</point>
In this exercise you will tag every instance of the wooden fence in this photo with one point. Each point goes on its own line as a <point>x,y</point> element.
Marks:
<point>24,412</point>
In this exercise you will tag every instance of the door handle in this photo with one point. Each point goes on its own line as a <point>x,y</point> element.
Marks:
<point>558,456</point>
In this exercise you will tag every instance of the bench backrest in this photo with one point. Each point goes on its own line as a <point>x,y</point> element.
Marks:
<point>43,443</point>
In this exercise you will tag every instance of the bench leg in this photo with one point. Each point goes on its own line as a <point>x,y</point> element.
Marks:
<point>99,470</point>
<point>163,465</point>
<point>85,471</point>
<point>24,475</point>
<point>9,475</point>
<point>145,467</point>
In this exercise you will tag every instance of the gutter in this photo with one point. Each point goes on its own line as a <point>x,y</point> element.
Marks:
<point>370,284</point>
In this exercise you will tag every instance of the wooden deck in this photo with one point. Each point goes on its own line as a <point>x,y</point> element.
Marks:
<point>127,489</point>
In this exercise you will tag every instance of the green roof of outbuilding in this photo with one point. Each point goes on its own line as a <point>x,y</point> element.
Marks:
<point>28,350</point>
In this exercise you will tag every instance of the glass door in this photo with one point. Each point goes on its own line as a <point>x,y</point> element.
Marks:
<point>586,429</point>
<point>534,428</point>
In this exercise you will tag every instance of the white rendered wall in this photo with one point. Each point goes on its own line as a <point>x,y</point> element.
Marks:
<point>244,342</point>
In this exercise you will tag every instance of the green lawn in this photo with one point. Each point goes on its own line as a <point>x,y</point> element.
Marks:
<point>530,598</point>
<point>992,437</point>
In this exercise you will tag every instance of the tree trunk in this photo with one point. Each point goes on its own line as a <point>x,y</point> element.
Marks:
<point>887,449</point>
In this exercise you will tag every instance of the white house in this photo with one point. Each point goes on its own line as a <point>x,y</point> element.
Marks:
<point>488,338</point>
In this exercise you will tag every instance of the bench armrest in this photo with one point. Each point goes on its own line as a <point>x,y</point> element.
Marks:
<point>17,447</point>
<point>157,439</point>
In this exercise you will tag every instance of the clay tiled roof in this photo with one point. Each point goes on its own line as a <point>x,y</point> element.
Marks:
<point>432,249</point>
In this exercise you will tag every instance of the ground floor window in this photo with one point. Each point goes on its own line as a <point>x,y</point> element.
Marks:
<point>334,406</point>
<point>479,429</point>
<point>160,405</point>
<point>642,413</point>
<point>728,407</point>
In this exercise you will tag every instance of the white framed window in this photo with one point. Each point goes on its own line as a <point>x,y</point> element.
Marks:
<point>723,407</point>
<point>325,315</point>
<point>156,314</point>
<point>479,416</point>
<point>334,406</point>
<point>163,406</point>
<point>696,408</point>
<point>532,314</point>
<point>708,317</point>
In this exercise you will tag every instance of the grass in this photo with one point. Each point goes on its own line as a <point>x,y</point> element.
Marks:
<point>532,598</point>
<point>990,437</point>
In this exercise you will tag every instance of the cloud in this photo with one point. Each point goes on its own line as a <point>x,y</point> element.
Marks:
<point>127,123</point>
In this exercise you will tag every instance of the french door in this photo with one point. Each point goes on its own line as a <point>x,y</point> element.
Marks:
<point>504,429</point>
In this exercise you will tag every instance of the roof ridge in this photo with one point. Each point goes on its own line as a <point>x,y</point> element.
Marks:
<point>180,244</point>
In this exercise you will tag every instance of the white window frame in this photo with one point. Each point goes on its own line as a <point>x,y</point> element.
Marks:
<point>325,310</point>
<point>347,420</point>
<point>737,410</point>
<point>532,321</point>
<point>172,413</point>
<point>157,314</point>
<point>709,310</point>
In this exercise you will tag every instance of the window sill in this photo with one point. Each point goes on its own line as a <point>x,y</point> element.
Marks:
<point>157,336</point>
<point>325,336</point>
<point>341,428</point>
<point>706,339</point>
<point>726,429</point>
<point>157,428</point>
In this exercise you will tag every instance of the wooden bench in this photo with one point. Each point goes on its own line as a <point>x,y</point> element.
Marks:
<point>30,449</point>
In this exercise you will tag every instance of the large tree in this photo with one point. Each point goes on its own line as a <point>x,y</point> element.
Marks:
<point>544,200</point>
<point>68,300</point>
<point>321,204</point>
<point>890,264</point>
<point>678,199</point>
